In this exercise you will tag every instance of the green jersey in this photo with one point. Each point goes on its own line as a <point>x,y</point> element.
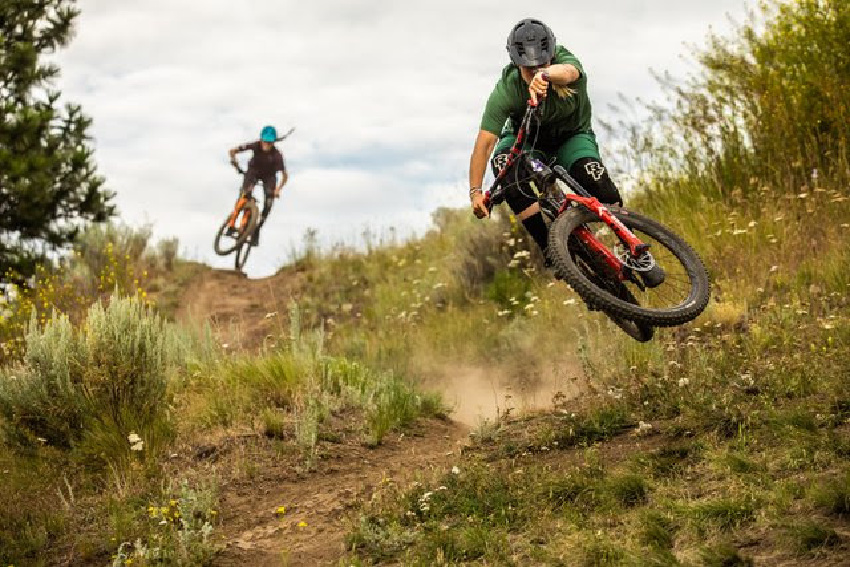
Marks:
<point>562,115</point>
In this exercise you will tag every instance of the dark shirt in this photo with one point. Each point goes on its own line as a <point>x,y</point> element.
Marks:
<point>264,164</point>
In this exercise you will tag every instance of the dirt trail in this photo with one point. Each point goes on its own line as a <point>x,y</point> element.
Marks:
<point>246,314</point>
<point>321,506</point>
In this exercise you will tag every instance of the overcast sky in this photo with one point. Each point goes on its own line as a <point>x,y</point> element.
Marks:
<point>386,98</point>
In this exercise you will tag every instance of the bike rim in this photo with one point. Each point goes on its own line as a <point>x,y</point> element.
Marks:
<point>678,287</point>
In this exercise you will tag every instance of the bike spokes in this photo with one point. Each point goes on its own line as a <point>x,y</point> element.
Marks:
<point>675,287</point>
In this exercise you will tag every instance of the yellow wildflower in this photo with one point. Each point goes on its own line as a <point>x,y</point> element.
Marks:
<point>281,510</point>
<point>302,524</point>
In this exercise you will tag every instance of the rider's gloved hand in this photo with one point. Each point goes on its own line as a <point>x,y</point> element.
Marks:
<point>539,85</point>
<point>479,209</point>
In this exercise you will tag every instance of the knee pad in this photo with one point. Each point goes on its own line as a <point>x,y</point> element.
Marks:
<point>514,197</point>
<point>593,176</point>
<point>498,161</point>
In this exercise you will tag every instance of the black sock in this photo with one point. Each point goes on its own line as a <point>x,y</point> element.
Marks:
<point>536,227</point>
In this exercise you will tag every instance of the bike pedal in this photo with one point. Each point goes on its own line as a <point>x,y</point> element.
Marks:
<point>654,277</point>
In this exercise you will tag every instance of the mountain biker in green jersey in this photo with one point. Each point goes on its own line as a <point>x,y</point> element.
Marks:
<point>266,161</point>
<point>543,71</point>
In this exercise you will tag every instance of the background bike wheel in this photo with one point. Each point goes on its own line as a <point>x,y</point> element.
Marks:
<point>684,293</point>
<point>242,253</point>
<point>223,244</point>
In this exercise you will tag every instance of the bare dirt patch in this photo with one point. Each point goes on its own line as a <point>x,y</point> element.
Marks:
<point>244,313</point>
<point>256,476</point>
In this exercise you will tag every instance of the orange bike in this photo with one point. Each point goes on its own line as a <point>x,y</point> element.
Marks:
<point>238,228</point>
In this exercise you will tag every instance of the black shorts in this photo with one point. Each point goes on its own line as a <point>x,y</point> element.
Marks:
<point>250,180</point>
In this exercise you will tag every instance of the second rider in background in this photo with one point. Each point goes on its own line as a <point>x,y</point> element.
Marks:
<point>266,161</point>
<point>563,132</point>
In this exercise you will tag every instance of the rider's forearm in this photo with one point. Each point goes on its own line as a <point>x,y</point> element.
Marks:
<point>284,177</point>
<point>563,74</point>
<point>484,144</point>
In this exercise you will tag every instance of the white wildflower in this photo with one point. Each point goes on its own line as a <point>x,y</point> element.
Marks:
<point>136,443</point>
<point>455,470</point>
<point>643,428</point>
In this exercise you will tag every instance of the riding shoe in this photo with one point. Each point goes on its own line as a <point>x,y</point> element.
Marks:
<point>232,231</point>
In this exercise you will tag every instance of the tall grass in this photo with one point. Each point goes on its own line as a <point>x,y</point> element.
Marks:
<point>295,387</point>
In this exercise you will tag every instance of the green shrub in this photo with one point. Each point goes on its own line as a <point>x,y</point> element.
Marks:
<point>810,536</point>
<point>628,490</point>
<point>93,386</point>
<point>724,555</point>
<point>112,249</point>
<point>178,531</point>
<point>833,496</point>
<point>656,530</point>
<point>726,513</point>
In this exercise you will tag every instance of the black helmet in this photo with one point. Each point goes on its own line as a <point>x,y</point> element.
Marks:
<point>531,43</point>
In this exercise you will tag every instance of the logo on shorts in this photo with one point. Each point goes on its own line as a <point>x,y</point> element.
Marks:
<point>499,161</point>
<point>595,169</point>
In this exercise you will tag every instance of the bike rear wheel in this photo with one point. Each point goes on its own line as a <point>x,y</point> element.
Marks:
<point>242,253</point>
<point>246,221</point>
<point>680,298</point>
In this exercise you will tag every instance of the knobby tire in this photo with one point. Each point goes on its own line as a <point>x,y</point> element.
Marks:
<point>613,303</point>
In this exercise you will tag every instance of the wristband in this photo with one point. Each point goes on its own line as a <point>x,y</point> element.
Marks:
<point>474,190</point>
<point>545,76</point>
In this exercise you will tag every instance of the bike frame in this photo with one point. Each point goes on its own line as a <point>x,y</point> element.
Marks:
<point>581,197</point>
<point>243,198</point>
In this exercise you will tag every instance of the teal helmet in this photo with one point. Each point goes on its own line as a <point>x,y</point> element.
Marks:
<point>269,134</point>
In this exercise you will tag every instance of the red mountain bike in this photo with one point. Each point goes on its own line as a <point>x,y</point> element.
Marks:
<point>634,269</point>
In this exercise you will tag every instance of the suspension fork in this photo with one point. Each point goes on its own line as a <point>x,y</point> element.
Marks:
<point>235,214</point>
<point>636,247</point>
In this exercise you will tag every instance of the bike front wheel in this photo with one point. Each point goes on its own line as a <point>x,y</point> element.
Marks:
<point>246,221</point>
<point>681,297</point>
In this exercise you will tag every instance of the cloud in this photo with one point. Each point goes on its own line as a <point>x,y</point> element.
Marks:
<point>386,99</point>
